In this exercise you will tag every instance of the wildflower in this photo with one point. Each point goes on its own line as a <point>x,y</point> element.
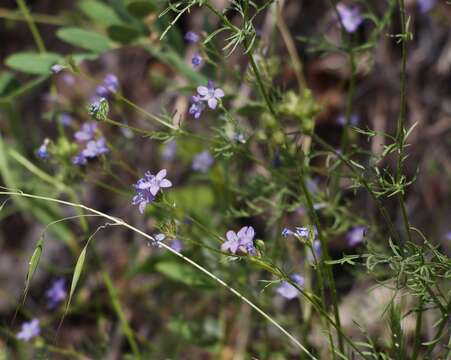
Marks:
<point>287,290</point>
<point>43,151</point>
<point>29,330</point>
<point>354,120</point>
<point>65,119</point>
<point>169,150</point>
<point>55,69</point>
<point>56,293</point>
<point>196,60</point>
<point>68,79</point>
<point>99,109</point>
<point>312,185</point>
<point>192,37</point>
<point>426,5</point>
<point>79,159</point>
<point>87,132</point>
<point>241,242</point>
<point>355,235</point>
<point>350,17</point>
<point>202,161</point>
<point>177,245</point>
<point>196,107</point>
<point>287,232</point>
<point>448,236</point>
<point>109,86</point>
<point>210,94</point>
<point>157,239</point>
<point>148,187</point>
<point>95,148</point>
<point>301,232</point>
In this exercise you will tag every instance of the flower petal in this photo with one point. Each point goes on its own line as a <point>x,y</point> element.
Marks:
<point>202,90</point>
<point>154,189</point>
<point>161,174</point>
<point>231,236</point>
<point>165,183</point>
<point>142,206</point>
<point>219,93</point>
<point>212,103</point>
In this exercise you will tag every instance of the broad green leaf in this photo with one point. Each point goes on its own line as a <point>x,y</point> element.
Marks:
<point>123,34</point>
<point>33,63</point>
<point>183,273</point>
<point>77,273</point>
<point>141,8</point>
<point>85,39</point>
<point>99,12</point>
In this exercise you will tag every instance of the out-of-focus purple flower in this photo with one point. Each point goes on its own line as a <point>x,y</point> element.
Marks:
<point>312,185</point>
<point>157,239</point>
<point>287,232</point>
<point>109,86</point>
<point>192,37</point>
<point>95,148</point>
<point>79,159</point>
<point>241,242</point>
<point>56,293</point>
<point>426,5</point>
<point>210,94</point>
<point>55,69</point>
<point>148,187</point>
<point>350,17</point>
<point>29,330</point>
<point>65,119</point>
<point>87,132</point>
<point>177,245</point>
<point>301,232</point>
<point>355,235</point>
<point>196,60</point>
<point>196,107</point>
<point>287,290</point>
<point>69,79</point>
<point>169,150</point>
<point>43,151</point>
<point>354,120</point>
<point>202,161</point>
<point>448,236</point>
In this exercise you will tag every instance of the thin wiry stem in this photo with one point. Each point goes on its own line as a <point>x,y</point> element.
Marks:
<point>120,222</point>
<point>30,22</point>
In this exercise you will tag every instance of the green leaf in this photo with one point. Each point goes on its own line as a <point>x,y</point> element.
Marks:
<point>33,63</point>
<point>99,12</point>
<point>33,264</point>
<point>123,34</point>
<point>183,273</point>
<point>140,8</point>
<point>7,82</point>
<point>84,39</point>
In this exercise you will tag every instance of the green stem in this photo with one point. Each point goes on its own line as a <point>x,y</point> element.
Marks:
<point>417,339</point>
<point>30,22</point>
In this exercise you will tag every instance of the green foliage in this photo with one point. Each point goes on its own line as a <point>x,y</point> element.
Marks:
<point>84,39</point>
<point>33,63</point>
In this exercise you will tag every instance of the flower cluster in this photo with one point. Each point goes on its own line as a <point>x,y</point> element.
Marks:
<point>109,86</point>
<point>148,187</point>
<point>202,162</point>
<point>56,293</point>
<point>194,38</point>
<point>99,109</point>
<point>287,290</point>
<point>350,17</point>
<point>92,146</point>
<point>206,95</point>
<point>29,330</point>
<point>240,243</point>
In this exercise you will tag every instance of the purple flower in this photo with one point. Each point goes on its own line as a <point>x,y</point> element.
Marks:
<point>350,17</point>
<point>202,161</point>
<point>426,5</point>
<point>196,107</point>
<point>157,239</point>
<point>42,151</point>
<point>312,185</point>
<point>287,290</point>
<point>79,159</point>
<point>55,69</point>
<point>109,86</point>
<point>210,94</point>
<point>354,120</point>
<point>355,235</point>
<point>169,150</point>
<point>95,148</point>
<point>196,60</point>
<point>287,232</point>
<point>148,187</point>
<point>301,232</point>
<point>56,293</point>
<point>241,242</point>
<point>65,119</point>
<point>192,37</point>
<point>448,236</point>
<point>177,245</point>
<point>29,330</point>
<point>87,132</point>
